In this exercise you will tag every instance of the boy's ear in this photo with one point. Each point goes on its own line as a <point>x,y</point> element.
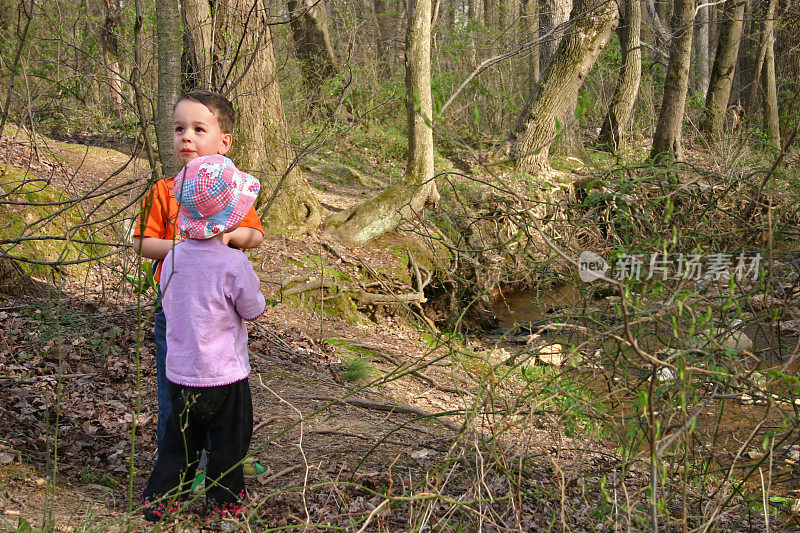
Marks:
<point>225,143</point>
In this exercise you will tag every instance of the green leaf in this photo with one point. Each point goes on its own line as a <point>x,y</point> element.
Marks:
<point>23,526</point>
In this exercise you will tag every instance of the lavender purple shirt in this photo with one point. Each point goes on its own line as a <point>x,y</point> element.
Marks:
<point>209,290</point>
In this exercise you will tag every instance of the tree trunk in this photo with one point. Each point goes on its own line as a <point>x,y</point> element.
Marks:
<point>383,40</point>
<point>108,40</point>
<point>490,13</point>
<point>361,223</point>
<point>700,54</point>
<point>553,14</point>
<point>748,51</point>
<point>662,8</point>
<point>615,124</point>
<point>312,44</point>
<point>511,12</point>
<point>472,10</point>
<point>719,89</point>
<point>765,15</point>
<point>771,117</point>
<point>531,23</point>
<point>261,142</point>
<point>200,28</point>
<point>667,141</point>
<point>170,44</point>
<point>577,53</point>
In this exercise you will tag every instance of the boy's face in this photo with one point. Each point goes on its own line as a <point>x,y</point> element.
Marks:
<point>197,133</point>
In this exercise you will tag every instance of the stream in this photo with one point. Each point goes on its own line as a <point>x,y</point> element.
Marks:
<point>724,433</point>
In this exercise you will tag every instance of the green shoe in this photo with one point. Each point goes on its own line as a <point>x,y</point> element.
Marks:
<point>199,483</point>
<point>251,467</point>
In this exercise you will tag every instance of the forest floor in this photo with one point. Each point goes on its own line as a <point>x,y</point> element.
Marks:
<point>79,357</point>
<point>341,421</point>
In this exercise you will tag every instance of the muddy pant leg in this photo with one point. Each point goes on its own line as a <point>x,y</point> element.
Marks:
<point>231,431</point>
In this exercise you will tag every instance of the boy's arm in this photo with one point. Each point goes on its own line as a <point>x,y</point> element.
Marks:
<point>242,238</point>
<point>149,239</point>
<point>152,247</point>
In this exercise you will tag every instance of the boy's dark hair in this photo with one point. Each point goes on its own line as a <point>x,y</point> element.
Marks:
<point>217,104</point>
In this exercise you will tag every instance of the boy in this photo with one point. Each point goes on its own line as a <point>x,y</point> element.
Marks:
<point>203,125</point>
<point>209,291</point>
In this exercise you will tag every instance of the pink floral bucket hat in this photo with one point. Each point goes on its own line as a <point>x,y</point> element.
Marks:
<point>213,196</point>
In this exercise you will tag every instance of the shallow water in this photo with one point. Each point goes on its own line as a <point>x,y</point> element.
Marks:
<point>517,307</point>
<point>725,424</point>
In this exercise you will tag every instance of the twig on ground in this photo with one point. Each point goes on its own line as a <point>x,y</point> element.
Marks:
<point>263,423</point>
<point>378,406</point>
<point>280,474</point>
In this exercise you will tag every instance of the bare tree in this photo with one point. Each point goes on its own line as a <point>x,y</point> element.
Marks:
<point>700,50</point>
<point>200,31</point>
<point>109,37</point>
<point>309,21</point>
<point>667,139</point>
<point>553,13</point>
<point>593,22</point>
<point>530,14</point>
<point>406,199</point>
<point>771,116</point>
<point>169,33</point>
<point>719,89</point>
<point>262,143</point>
<point>615,124</point>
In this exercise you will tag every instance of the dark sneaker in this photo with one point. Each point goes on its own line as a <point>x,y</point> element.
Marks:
<point>157,510</point>
<point>218,512</point>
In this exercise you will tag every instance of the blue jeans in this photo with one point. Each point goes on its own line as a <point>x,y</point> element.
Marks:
<point>162,385</point>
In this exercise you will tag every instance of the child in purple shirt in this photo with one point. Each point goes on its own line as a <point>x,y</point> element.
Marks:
<point>209,291</point>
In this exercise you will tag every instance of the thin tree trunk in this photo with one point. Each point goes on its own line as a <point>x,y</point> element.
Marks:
<point>767,27</point>
<point>743,76</point>
<point>615,124</point>
<point>108,40</point>
<point>26,11</point>
<point>531,23</point>
<point>771,116</point>
<point>577,53</point>
<point>383,38</point>
<point>700,54</point>
<point>406,199</point>
<point>719,89</point>
<point>662,8</point>
<point>473,11</point>
<point>170,42</point>
<point>667,140</point>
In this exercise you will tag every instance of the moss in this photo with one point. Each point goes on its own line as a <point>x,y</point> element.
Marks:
<point>314,262</point>
<point>343,305</point>
<point>19,185</point>
<point>428,254</point>
<point>295,262</point>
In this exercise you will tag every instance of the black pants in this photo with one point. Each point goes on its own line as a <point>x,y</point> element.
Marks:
<point>225,414</point>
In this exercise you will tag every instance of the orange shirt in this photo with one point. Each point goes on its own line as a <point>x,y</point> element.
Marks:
<point>160,213</point>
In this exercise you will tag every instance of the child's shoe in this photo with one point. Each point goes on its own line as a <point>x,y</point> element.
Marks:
<point>225,512</point>
<point>251,467</point>
<point>199,483</point>
<point>159,509</point>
